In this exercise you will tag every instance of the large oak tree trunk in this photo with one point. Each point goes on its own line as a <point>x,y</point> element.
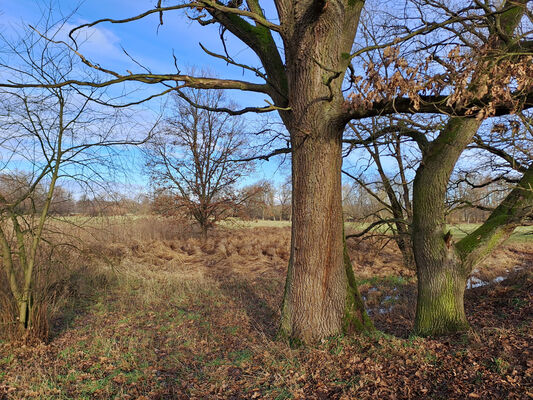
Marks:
<point>316,292</point>
<point>321,296</point>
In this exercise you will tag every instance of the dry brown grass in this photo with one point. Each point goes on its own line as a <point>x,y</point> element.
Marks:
<point>166,315</point>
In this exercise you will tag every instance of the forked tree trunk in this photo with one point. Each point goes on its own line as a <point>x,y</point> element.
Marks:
<point>441,282</point>
<point>443,266</point>
<point>440,308</point>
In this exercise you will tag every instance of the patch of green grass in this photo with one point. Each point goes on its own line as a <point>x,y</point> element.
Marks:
<point>104,346</point>
<point>216,362</point>
<point>523,233</point>
<point>192,316</point>
<point>352,382</point>
<point>94,385</point>
<point>431,358</point>
<point>411,342</point>
<point>377,334</point>
<point>133,376</point>
<point>336,344</point>
<point>520,234</point>
<point>100,308</point>
<point>240,356</point>
<point>68,378</point>
<point>498,365</point>
<point>124,320</point>
<point>66,352</point>
<point>232,330</point>
<point>518,302</point>
<point>7,359</point>
<point>478,380</point>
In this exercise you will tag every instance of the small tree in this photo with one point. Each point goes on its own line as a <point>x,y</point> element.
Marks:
<point>258,200</point>
<point>47,134</point>
<point>383,140</point>
<point>192,156</point>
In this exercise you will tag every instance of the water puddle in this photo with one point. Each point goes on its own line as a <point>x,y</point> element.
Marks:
<point>386,304</point>
<point>390,298</point>
<point>474,282</point>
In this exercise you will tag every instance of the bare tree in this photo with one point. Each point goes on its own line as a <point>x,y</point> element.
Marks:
<point>259,200</point>
<point>193,155</point>
<point>284,196</point>
<point>48,135</point>
<point>390,156</point>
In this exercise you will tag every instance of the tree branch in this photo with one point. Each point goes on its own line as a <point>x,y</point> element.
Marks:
<point>188,81</point>
<point>429,105</point>
<point>258,110</point>
<point>374,224</point>
<point>514,163</point>
<point>198,5</point>
<point>414,134</point>
<point>513,210</point>
<point>266,157</point>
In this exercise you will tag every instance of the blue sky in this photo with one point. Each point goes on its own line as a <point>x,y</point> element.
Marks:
<point>151,46</point>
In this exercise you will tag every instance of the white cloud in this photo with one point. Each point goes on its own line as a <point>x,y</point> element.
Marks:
<point>94,42</point>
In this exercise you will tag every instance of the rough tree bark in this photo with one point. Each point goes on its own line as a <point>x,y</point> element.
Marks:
<point>442,266</point>
<point>440,286</point>
<point>317,301</point>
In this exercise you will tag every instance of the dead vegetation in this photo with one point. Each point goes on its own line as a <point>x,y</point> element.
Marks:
<point>154,312</point>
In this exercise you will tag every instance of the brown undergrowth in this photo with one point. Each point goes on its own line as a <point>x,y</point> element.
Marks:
<point>170,316</point>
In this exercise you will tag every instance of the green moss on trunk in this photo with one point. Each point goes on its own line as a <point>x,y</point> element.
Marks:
<point>356,319</point>
<point>284,332</point>
<point>440,307</point>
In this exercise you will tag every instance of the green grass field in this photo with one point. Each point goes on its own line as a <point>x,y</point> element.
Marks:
<point>522,233</point>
